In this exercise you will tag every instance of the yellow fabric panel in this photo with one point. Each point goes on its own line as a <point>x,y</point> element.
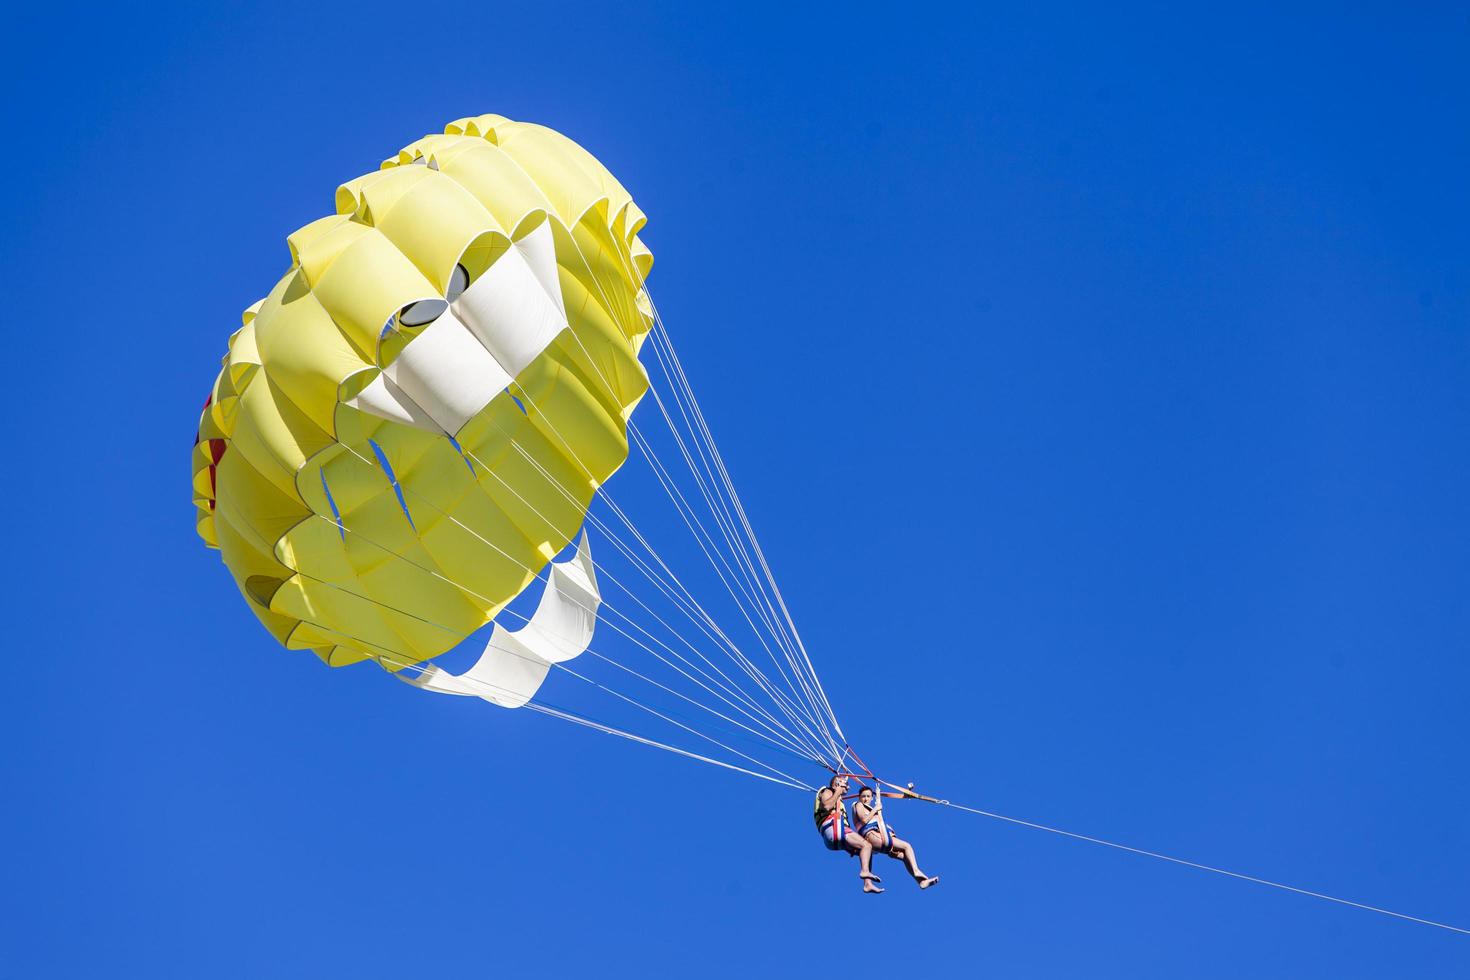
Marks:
<point>436,148</point>
<point>208,427</point>
<point>200,461</point>
<point>275,435</point>
<point>365,283</point>
<point>354,577</point>
<point>331,571</point>
<point>241,362</point>
<point>504,430</point>
<point>315,245</point>
<point>325,593</point>
<point>571,178</point>
<point>484,548</point>
<point>245,560</point>
<point>204,526</point>
<point>627,223</point>
<point>304,353</point>
<point>604,317</point>
<point>242,348</point>
<point>604,268</point>
<point>364,623</point>
<point>354,478</point>
<point>483,253</point>
<point>334,656</point>
<point>497,181</point>
<point>309,636</point>
<point>382,536</point>
<point>456,564</point>
<point>643,261</point>
<point>220,411</point>
<point>570,416</point>
<point>532,497</point>
<point>482,125</point>
<point>254,503</point>
<point>427,216</point>
<point>323,643</point>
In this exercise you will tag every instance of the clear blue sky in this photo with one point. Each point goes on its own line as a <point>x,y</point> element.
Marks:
<point>1099,383</point>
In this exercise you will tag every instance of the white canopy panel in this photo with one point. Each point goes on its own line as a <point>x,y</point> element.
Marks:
<point>515,662</point>
<point>475,348</point>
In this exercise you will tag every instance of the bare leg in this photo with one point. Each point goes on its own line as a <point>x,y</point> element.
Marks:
<point>904,851</point>
<point>865,857</point>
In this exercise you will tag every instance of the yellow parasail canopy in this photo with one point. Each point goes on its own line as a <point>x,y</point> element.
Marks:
<point>412,423</point>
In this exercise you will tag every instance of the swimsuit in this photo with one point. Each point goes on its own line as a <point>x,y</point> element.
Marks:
<point>886,831</point>
<point>834,830</point>
<point>832,824</point>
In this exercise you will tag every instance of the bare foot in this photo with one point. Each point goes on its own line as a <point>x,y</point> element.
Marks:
<point>869,875</point>
<point>871,888</point>
<point>934,880</point>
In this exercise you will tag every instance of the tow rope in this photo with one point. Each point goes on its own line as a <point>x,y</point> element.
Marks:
<point>908,793</point>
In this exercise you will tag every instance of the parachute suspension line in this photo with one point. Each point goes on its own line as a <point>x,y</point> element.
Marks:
<point>1200,867</point>
<point>614,312</point>
<point>464,527</point>
<point>698,616</point>
<point>780,699</point>
<point>404,660</point>
<point>696,529</point>
<point>796,678</point>
<point>728,687</point>
<point>679,380</point>
<point>538,575</point>
<point>804,756</point>
<point>717,506</point>
<point>661,336</point>
<point>658,582</point>
<point>749,587</point>
<point>806,748</point>
<point>705,629</point>
<point>610,308</point>
<point>608,729</point>
<point>671,721</point>
<point>787,705</point>
<point>554,712</point>
<point>715,503</point>
<point>809,747</point>
<point>591,360</point>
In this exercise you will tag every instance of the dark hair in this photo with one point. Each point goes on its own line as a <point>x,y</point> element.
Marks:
<point>864,789</point>
<point>832,784</point>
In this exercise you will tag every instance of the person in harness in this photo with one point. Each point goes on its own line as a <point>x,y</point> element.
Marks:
<point>830,813</point>
<point>881,838</point>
